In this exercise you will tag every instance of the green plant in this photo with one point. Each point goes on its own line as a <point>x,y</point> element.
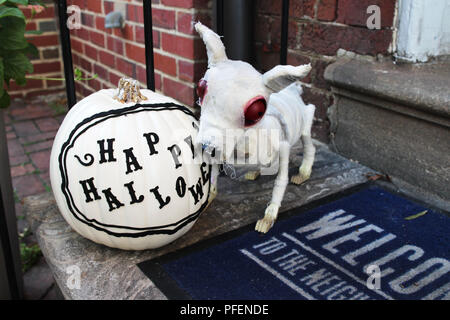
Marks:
<point>15,50</point>
<point>30,255</point>
<point>14,47</point>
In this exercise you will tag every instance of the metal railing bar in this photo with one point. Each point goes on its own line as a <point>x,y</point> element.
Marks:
<point>149,59</point>
<point>64,34</point>
<point>284,32</point>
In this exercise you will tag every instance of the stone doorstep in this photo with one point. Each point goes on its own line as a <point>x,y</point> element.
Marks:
<point>395,119</point>
<point>108,273</point>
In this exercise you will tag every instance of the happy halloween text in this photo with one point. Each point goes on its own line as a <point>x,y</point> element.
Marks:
<point>107,154</point>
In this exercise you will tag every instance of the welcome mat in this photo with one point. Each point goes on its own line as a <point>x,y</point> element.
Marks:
<point>369,244</point>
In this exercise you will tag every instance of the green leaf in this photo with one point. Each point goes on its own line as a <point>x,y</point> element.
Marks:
<point>11,12</point>
<point>415,216</point>
<point>5,100</point>
<point>31,50</point>
<point>12,30</point>
<point>16,66</point>
<point>22,2</point>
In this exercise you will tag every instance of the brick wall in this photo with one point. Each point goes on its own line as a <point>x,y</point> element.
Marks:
<point>179,54</point>
<point>48,63</point>
<point>317,30</point>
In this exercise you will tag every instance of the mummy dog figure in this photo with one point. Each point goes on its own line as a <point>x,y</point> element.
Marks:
<point>235,97</point>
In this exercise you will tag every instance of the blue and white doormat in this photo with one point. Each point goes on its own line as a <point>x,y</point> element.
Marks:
<point>371,244</point>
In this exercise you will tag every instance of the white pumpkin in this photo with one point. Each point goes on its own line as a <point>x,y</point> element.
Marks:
<point>125,175</point>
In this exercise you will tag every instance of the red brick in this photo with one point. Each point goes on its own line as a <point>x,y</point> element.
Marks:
<point>55,83</point>
<point>125,67</point>
<point>179,3</point>
<point>28,185</point>
<point>127,32</point>
<point>107,59</point>
<point>100,24</point>
<point>101,72</point>
<point>327,39</point>
<point>114,78</point>
<point>135,13</point>
<point>47,124</point>
<point>97,38</point>
<point>85,65</point>
<point>135,53</point>
<point>47,67</point>
<point>178,91</point>
<point>355,12</point>
<point>140,36</point>
<point>41,159</point>
<point>48,12</point>
<point>327,10</point>
<point>31,84</point>
<point>191,71</point>
<point>301,8</point>
<point>185,21</point>
<point>115,45</point>
<point>297,59</point>
<point>44,145</point>
<point>30,111</point>
<point>165,64</point>
<point>87,19</point>
<point>185,47</point>
<point>16,160</point>
<point>25,128</point>
<point>108,6</point>
<point>90,51</point>
<point>14,148</point>
<point>141,75</point>
<point>318,98</point>
<point>76,45</point>
<point>21,170</point>
<point>11,135</point>
<point>82,33</point>
<point>43,92</point>
<point>37,137</point>
<point>319,70</point>
<point>163,18</point>
<point>269,6</point>
<point>44,40</point>
<point>31,25</point>
<point>94,5</point>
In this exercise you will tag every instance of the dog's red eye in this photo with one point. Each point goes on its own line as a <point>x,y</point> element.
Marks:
<point>202,87</point>
<point>254,110</point>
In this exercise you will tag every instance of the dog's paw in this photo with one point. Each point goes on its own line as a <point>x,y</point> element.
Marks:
<point>263,225</point>
<point>252,175</point>
<point>303,175</point>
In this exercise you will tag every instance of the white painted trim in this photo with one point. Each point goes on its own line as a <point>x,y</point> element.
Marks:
<point>423,29</point>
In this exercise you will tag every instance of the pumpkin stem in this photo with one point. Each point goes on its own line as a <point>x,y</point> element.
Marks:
<point>128,91</point>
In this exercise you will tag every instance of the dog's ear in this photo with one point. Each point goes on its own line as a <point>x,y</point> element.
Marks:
<point>214,46</point>
<point>280,77</point>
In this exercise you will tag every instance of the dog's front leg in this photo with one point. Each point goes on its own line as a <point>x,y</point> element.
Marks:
<point>279,188</point>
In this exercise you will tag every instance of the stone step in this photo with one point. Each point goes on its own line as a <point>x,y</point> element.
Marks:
<point>395,119</point>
